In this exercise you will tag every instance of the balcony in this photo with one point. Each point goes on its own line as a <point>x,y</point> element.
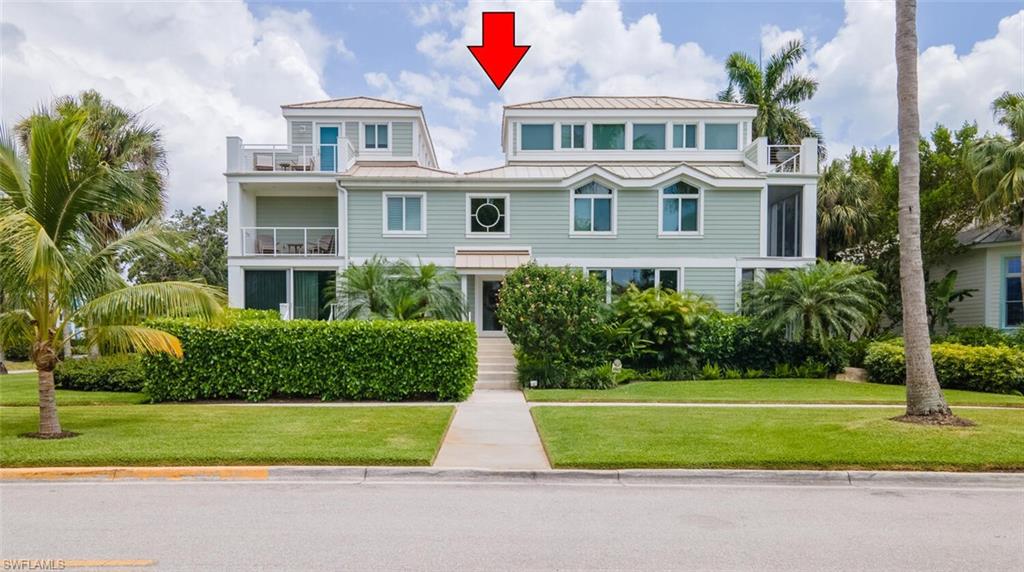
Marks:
<point>800,159</point>
<point>289,241</point>
<point>284,158</point>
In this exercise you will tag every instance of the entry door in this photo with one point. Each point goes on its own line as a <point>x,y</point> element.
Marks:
<point>328,148</point>
<point>489,324</point>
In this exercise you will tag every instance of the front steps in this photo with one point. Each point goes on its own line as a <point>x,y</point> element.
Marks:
<point>496,366</point>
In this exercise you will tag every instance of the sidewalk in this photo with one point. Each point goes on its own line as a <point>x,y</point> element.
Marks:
<point>493,429</point>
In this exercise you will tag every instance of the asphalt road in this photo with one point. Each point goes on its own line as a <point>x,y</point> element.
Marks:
<point>334,526</point>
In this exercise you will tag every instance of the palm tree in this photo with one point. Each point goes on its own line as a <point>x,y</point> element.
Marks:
<point>776,91</point>
<point>924,396</point>
<point>439,288</point>
<point>998,164</point>
<point>59,271</point>
<point>118,138</point>
<point>820,303</point>
<point>844,212</point>
<point>379,289</point>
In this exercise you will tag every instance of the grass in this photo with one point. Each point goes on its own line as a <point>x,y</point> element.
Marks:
<point>19,365</point>
<point>762,391</point>
<point>775,438</point>
<point>22,389</point>
<point>227,435</point>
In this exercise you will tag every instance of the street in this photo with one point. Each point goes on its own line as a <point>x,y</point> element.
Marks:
<point>324,525</point>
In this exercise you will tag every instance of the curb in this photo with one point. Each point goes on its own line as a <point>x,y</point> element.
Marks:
<point>625,477</point>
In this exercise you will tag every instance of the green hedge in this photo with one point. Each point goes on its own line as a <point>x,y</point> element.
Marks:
<point>993,369</point>
<point>740,343</point>
<point>107,373</point>
<point>358,360</point>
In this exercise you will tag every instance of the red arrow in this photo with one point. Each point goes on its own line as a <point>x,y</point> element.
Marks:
<point>498,54</point>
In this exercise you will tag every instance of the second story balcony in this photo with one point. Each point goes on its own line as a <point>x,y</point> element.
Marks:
<point>800,159</point>
<point>284,158</point>
<point>289,241</point>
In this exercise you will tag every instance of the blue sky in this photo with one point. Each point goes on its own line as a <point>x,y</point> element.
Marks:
<point>202,71</point>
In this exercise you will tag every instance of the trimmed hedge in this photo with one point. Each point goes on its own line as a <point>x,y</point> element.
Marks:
<point>739,342</point>
<point>106,373</point>
<point>356,360</point>
<point>994,369</point>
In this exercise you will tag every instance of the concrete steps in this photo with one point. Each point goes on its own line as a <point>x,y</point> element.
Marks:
<point>496,366</point>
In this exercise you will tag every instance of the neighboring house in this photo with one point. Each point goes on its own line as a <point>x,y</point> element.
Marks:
<point>648,190</point>
<point>991,266</point>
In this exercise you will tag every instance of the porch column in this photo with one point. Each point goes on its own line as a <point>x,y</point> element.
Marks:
<point>809,221</point>
<point>467,303</point>
<point>234,219</point>
<point>236,286</point>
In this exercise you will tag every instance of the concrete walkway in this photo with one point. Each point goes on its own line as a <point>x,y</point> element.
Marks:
<point>493,429</point>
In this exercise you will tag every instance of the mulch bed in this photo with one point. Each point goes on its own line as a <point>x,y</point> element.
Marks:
<point>48,436</point>
<point>935,419</point>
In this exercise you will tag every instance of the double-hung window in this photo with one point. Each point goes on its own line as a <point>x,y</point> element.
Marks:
<point>1013,299</point>
<point>684,136</point>
<point>538,137</point>
<point>609,135</point>
<point>376,135</point>
<point>487,215</point>
<point>679,210</point>
<point>648,136</point>
<point>593,209</point>
<point>405,214</point>
<point>572,135</point>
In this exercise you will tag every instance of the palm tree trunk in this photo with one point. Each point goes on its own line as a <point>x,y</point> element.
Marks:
<point>49,424</point>
<point>3,358</point>
<point>924,396</point>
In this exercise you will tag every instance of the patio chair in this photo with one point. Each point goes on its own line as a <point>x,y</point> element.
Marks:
<point>323,246</point>
<point>263,161</point>
<point>265,244</point>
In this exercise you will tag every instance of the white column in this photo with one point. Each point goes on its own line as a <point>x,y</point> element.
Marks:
<point>809,156</point>
<point>236,286</point>
<point>465,295</point>
<point>763,242</point>
<point>809,220</point>
<point>234,218</point>
<point>234,154</point>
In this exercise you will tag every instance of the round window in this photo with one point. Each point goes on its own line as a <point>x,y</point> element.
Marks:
<point>487,215</point>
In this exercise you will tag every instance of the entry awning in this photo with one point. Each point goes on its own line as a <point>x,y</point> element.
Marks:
<point>490,258</point>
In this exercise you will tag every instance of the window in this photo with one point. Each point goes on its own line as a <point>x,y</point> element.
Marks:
<point>784,222</point>
<point>1013,300</point>
<point>572,136</point>
<point>684,136</point>
<point>668,279</point>
<point>266,289</point>
<point>405,213</point>
<point>609,136</point>
<point>487,215</point>
<point>376,135</point>
<point>719,136</point>
<point>539,137</point>
<point>648,136</point>
<point>680,210</point>
<point>617,280</point>
<point>592,209</point>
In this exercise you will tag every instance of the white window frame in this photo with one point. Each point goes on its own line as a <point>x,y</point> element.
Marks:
<point>665,127</point>
<point>555,136</point>
<point>404,233</point>
<point>684,125</point>
<point>739,135</point>
<point>607,270</point>
<point>376,128</point>
<point>507,197</point>
<point>614,197</point>
<point>627,130</point>
<point>662,233</point>
<point>572,136</point>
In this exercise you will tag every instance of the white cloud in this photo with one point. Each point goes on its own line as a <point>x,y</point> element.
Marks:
<point>198,73</point>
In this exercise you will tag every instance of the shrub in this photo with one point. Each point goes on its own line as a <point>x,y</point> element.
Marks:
<point>250,315</point>
<point>979,368</point>
<point>16,352</point>
<point>554,318</point>
<point>977,336</point>
<point>666,322</point>
<point>711,371</point>
<point>740,342</point>
<point>600,377</point>
<point>108,373</point>
<point>254,360</point>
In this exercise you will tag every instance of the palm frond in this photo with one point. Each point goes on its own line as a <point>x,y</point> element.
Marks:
<point>131,305</point>
<point>781,63</point>
<point>128,339</point>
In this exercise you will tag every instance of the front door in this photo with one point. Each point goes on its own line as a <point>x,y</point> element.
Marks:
<point>328,148</point>
<point>489,323</point>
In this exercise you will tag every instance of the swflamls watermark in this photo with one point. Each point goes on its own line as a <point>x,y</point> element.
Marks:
<point>64,564</point>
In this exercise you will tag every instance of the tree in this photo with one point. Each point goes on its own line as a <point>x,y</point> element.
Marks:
<point>999,166</point>
<point>843,212</point>
<point>820,303</point>
<point>776,90</point>
<point>203,257</point>
<point>119,139</point>
<point>59,268</point>
<point>924,396</point>
<point>379,289</point>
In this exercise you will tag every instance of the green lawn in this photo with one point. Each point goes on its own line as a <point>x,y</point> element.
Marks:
<point>19,365</point>
<point>227,435</point>
<point>22,389</point>
<point>775,438</point>
<point>761,391</point>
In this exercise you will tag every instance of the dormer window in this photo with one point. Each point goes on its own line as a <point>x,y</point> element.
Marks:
<point>648,136</point>
<point>376,135</point>
<point>679,210</point>
<point>609,136</point>
<point>572,135</point>
<point>684,136</point>
<point>592,210</point>
<point>538,137</point>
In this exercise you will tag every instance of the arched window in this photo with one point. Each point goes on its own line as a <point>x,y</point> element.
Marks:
<point>593,209</point>
<point>679,210</point>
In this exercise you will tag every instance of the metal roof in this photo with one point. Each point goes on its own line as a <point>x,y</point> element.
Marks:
<point>989,235</point>
<point>359,102</point>
<point>628,102</point>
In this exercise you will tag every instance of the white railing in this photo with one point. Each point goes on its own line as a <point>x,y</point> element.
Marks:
<point>289,241</point>
<point>784,158</point>
<point>326,157</point>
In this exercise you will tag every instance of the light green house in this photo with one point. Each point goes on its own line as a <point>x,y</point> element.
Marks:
<point>991,267</point>
<point>645,190</point>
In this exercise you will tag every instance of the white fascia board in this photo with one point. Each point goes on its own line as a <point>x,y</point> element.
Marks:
<point>639,262</point>
<point>283,177</point>
<point>635,115</point>
<point>286,262</point>
<point>360,113</point>
<point>773,262</point>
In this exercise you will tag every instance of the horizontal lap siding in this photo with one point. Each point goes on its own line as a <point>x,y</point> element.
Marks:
<point>718,284</point>
<point>402,139</point>
<point>540,219</point>
<point>970,269</point>
<point>297,211</point>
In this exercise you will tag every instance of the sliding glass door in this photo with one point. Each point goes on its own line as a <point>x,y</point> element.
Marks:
<point>309,294</point>
<point>266,289</point>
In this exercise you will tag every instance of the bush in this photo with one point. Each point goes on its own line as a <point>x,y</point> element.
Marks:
<point>979,368</point>
<point>254,360</point>
<point>251,315</point>
<point>16,352</point>
<point>600,377</point>
<point>107,373</point>
<point>740,342</point>
<point>659,326</point>
<point>554,318</point>
<point>977,336</point>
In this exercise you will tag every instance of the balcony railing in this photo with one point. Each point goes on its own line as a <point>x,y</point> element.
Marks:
<point>784,158</point>
<point>289,241</point>
<point>803,159</point>
<point>325,158</point>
